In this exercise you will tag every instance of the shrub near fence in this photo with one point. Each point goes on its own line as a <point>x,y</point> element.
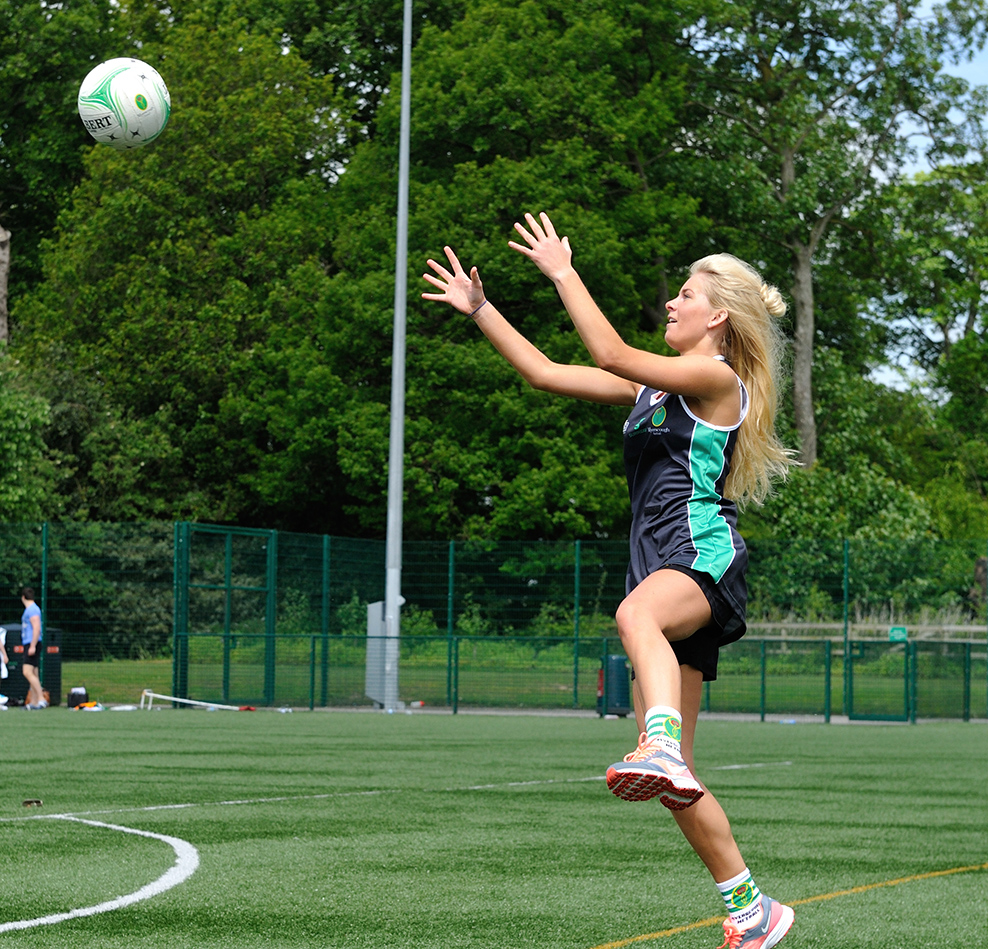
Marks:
<point>766,677</point>
<point>266,617</point>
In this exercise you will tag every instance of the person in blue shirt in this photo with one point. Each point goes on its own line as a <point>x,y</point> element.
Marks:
<point>31,638</point>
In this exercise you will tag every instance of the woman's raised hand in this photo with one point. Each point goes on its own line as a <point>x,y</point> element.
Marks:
<point>550,254</point>
<point>459,289</point>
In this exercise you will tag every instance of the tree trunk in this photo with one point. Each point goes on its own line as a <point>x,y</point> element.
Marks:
<point>802,374</point>
<point>4,270</point>
<point>657,314</point>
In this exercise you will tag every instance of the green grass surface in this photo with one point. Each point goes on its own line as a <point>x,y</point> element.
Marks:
<point>118,681</point>
<point>373,831</point>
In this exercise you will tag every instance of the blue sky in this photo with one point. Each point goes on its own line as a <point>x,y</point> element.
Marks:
<point>975,72</point>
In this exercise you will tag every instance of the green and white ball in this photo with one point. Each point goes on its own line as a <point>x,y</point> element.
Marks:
<point>124,103</point>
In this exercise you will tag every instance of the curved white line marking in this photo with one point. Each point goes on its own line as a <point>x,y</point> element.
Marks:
<point>186,863</point>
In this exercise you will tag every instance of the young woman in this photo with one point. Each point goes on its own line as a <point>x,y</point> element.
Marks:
<point>700,437</point>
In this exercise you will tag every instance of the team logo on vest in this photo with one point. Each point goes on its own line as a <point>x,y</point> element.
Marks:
<point>742,895</point>
<point>657,418</point>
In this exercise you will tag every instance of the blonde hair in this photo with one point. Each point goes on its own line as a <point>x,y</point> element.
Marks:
<point>753,345</point>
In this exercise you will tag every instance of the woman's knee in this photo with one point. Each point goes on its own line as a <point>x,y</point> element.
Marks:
<point>625,622</point>
<point>634,622</point>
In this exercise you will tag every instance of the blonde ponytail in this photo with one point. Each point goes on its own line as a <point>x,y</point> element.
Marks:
<point>753,346</point>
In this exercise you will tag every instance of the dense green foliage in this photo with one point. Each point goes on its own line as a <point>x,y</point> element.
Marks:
<point>201,329</point>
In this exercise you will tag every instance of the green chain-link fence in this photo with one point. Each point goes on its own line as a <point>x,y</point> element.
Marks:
<point>257,617</point>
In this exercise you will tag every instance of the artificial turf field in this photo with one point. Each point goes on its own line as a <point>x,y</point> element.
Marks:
<point>432,831</point>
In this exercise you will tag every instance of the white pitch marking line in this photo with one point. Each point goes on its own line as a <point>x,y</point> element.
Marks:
<point>329,795</point>
<point>740,767</point>
<point>186,863</point>
<point>288,799</point>
<point>526,784</point>
<point>187,857</point>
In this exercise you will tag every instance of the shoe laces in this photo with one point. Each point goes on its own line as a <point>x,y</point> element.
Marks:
<point>732,935</point>
<point>648,748</point>
<point>644,750</point>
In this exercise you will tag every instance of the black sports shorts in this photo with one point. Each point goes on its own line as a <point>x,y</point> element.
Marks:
<point>727,624</point>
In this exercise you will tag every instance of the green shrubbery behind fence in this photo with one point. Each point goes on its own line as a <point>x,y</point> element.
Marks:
<point>265,617</point>
<point>767,677</point>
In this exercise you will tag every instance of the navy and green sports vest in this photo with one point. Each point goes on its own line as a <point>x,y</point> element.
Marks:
<point>676,465</point>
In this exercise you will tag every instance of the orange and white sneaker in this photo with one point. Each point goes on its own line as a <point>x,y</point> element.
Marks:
<point>767,931</point>
<point>653,771</point>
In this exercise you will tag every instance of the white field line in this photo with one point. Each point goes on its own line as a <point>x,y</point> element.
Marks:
<point>186,863</point>
<point>741,767</point>
<point>187,857</point>
<point>329,795</point>
<point>289,798</point>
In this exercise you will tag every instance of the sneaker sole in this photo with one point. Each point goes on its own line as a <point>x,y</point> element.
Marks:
<point>643,786</point>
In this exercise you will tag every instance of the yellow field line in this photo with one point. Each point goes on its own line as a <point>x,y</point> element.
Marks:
<point>714,920</point>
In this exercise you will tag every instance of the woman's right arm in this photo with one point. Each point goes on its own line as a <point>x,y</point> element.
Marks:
<point>465,293</point>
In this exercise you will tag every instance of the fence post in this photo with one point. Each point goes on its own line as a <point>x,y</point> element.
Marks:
<point>827,648</point>
<point>967,682</point>
<point>44,596</point>
<point>227,644</point>
<point>312,675</point>
<point>324,670</point>
<point>763,652</point>
<point>576,624</point>
<point>847,614</point>
<point>180,667</point>
<point>912,663</point>
<point>227,611</point>
<point>450,621</point>
<point>270,618</point>
<point>455,699</point>
<point>180,616</point>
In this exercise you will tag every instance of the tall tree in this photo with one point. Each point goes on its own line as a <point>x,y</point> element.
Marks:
<point>28,477</point>
<point>934,239</point>
<point>357,44</point>
<point>805,111</point>
<point>157,285</point>
<point>933,231</point>
<point>46,49</point>
<point>4,273</point>
<point>561,106</point>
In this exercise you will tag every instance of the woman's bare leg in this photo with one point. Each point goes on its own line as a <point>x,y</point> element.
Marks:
<point>705,825</point>
<point>666,606</point>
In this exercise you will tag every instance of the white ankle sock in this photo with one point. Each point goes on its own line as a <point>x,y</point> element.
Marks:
<point>742,899</point>
<point>665,725</point>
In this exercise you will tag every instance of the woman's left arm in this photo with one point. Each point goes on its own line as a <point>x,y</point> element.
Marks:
<point>693,376</point>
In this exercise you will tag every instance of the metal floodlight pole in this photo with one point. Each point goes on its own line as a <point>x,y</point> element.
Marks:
<point>396,452</point>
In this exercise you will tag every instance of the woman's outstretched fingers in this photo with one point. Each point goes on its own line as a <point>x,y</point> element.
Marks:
<point>454,261</point>
<point>533,226</point>
<point>456,287</point>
